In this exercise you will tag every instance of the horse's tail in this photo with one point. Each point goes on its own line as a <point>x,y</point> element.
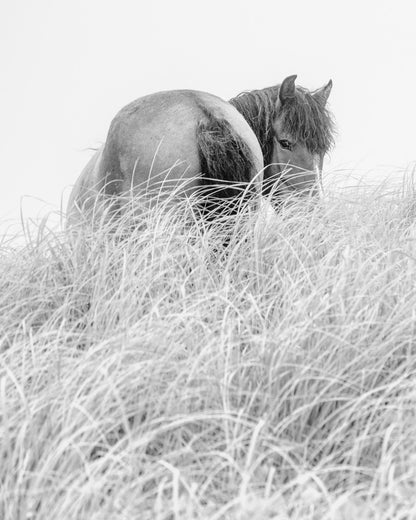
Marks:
<point>226,161</point>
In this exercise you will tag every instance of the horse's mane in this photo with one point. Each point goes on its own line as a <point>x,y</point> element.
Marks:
<point>304,118</point>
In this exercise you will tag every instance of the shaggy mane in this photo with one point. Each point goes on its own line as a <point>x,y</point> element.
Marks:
<point>303,118</point>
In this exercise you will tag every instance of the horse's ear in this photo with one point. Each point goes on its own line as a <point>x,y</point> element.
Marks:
<point>287,89</point>
<point>322,94</point>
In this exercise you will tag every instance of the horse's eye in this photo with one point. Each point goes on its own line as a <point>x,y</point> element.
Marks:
<point>284,143</point>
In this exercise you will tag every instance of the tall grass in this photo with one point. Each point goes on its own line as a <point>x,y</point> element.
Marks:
<point>148,372</point>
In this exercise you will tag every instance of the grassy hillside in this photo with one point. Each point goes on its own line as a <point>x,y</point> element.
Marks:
<point>146,373</point>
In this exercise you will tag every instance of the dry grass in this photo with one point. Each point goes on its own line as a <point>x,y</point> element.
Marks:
<point>147,373</point>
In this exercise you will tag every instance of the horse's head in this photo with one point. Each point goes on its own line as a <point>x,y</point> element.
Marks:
<point>303,134</point>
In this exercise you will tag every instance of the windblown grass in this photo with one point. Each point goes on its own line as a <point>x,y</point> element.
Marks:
<point>146,372</point>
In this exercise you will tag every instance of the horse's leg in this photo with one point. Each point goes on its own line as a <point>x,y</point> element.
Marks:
<point>83,197</point>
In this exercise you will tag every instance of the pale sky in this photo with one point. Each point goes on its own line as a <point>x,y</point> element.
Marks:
<point>68,66</point>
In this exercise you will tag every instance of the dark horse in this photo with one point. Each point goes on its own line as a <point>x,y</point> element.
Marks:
<point>189,141</point>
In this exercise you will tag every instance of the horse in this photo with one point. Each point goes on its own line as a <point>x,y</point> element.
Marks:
<point>194,142</point>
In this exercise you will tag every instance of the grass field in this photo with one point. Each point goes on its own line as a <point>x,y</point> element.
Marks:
<point>146,373</point>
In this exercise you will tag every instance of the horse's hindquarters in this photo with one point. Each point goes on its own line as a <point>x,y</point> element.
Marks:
<point>153,153</point>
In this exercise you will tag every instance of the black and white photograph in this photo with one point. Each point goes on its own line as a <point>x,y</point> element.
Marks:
<point>208,260</point>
